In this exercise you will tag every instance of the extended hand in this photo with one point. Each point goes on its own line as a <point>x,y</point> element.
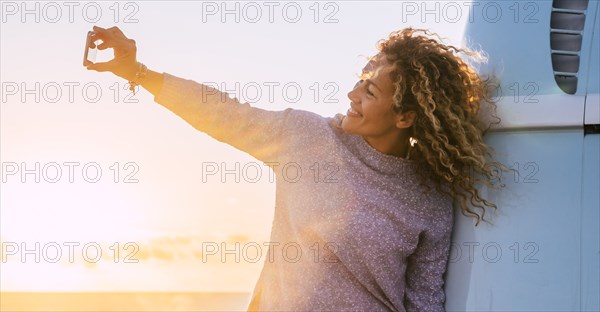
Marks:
<point>124,63</point>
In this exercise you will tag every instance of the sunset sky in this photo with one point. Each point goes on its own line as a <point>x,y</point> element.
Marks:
<point>168,212</point>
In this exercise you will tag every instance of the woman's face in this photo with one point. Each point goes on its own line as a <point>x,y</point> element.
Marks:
<point>370,113</point>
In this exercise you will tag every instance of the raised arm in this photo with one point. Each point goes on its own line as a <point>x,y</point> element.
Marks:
<point>261,133</point>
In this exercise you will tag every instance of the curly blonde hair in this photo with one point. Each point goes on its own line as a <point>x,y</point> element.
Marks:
<point>446,93</point>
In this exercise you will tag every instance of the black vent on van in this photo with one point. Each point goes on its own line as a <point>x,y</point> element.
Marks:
<point>566,33</point>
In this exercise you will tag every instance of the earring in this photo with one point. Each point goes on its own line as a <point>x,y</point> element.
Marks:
<point>412,141</point>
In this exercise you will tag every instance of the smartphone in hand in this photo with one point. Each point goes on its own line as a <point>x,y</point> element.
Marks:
<point>89,55</point>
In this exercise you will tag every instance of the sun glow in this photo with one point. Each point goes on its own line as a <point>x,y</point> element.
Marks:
<point>135,237</point>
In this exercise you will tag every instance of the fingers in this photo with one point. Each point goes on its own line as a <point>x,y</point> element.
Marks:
<point>98,33</point>
<point>113,32</point>
<point>100,67</point>
<point>103,46</point>
<point>99,29</point>
<point>124,53</point>
<point>111,37</point>
<point>116,30</point>
<point>125,45</point>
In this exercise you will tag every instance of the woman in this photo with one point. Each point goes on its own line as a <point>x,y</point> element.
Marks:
<point>363,216</point>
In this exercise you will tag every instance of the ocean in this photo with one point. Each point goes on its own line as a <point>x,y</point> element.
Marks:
<point>123,301</point>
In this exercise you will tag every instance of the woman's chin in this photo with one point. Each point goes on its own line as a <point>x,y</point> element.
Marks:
<point>347,125</point>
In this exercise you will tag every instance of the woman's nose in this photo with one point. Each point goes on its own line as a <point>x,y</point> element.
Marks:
<point>352,94</point>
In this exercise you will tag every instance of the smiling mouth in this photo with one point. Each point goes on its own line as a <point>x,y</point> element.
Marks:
<point>353,113</point>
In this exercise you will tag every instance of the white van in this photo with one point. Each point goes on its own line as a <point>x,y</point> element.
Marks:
<point>542,252</point>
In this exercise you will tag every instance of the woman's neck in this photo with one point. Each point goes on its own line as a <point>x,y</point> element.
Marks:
<point>394,145</point>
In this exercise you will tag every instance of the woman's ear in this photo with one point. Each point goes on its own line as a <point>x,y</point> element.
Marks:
<point>406,119</point>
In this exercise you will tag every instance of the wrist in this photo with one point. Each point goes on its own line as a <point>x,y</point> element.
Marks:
<point>138,77</point>
<point>128,73</point>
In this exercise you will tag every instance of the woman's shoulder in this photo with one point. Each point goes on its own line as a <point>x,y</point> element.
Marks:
<point>309,124</point>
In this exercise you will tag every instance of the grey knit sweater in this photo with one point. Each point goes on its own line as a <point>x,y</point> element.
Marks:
<point>352,230</point>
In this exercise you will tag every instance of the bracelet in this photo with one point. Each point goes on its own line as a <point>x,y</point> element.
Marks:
<point>139,76</point>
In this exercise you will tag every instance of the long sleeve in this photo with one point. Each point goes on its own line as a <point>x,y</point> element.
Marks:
<point>425,271</point>
<point>260,133</point>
